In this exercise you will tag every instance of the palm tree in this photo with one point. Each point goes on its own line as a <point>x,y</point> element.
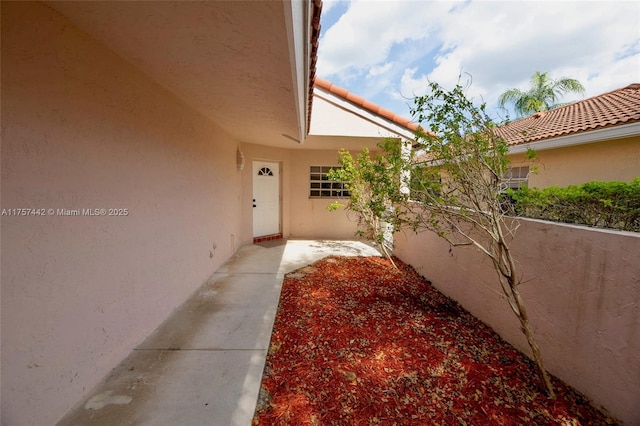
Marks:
<point>543,94</point>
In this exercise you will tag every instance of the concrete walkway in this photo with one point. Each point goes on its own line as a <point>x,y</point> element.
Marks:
<point>204,364</point>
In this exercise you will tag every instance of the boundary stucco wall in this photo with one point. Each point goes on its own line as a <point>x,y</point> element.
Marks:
<point>83,129</point>
<point>604,161</point>
<point>309,216</point>
<point>582,290</point>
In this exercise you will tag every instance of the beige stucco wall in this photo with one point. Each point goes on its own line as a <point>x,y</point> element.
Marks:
<point>83,129</point>
<point>310,217</point>
<point>301,216</point>
<point>582,289</point>
<point>605,161</point>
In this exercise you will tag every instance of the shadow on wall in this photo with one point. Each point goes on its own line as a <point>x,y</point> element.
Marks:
<point>581,287</point>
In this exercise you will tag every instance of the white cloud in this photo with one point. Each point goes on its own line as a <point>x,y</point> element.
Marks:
<point>410,86</point>
<point>364,35</point>
<point>327,5</point>
<point>379,70</point>
<point>500,44</point>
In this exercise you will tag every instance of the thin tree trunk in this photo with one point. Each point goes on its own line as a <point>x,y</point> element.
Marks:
<point>506,259</point>
<point>378,231</point>
<point>388,255</point>
<point>526,329</point>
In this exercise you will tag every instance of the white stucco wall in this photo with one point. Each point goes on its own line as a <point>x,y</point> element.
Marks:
<point>582,290</point>
<point>334,116</point>
<point>83,129</point>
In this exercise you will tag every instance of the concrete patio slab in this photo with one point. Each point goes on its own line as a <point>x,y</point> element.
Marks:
<point>203,365</point>
<point>298,253</point>
<point>236,312</point>
<point>185,387</point>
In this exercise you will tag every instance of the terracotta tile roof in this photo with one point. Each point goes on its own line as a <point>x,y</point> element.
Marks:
<point>615,108</point>
<point>313,54</point>
<point>361,102</point>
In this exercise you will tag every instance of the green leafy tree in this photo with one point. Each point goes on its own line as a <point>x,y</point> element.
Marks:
<point>373,182</point>
<point>454,189</point>
<point>543,94</point>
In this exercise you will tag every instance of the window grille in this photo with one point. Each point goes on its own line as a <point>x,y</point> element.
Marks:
<point>320,186</point>
<point>265,171</point>
<point>516,177</point>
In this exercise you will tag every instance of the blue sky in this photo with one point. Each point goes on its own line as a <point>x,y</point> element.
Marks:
<point>387,50</point>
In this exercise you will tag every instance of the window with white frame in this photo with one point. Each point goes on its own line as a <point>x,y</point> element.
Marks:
<point>515,177</point>
<point>320,186</point>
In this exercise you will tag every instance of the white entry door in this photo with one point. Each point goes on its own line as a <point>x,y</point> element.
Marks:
<point>266,198</point>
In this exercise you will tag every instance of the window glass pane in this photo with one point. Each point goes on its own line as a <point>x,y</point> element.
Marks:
<point>516,177</point>
<point>321,186</point>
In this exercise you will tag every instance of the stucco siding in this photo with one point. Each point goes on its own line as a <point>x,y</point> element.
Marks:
<point>83,129</point>
<point>310,217</point>
<point>582,289</point>
<point>605,161</point>
<point>301,216</point>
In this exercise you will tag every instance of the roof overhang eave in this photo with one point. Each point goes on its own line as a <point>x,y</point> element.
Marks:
<point>298,23</point>
<point>593,136</point>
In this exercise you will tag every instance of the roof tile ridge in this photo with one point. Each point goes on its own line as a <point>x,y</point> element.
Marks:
<point>596,98</point>
<point>632,86</point>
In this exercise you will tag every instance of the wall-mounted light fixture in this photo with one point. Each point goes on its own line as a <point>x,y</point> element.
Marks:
<point>240,160</point>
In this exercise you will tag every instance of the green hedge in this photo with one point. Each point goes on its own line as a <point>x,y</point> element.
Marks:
<point>602,204</point>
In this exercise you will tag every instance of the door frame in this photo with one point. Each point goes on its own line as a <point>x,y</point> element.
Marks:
<point>277,165</point>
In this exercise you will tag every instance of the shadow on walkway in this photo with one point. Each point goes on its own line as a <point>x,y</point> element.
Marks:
<point>203,365</point>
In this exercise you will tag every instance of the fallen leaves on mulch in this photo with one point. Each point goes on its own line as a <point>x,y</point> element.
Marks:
<point>356,342</point>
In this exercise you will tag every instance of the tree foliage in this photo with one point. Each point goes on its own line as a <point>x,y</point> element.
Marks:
<point>450,184</point>
<point>373,182</point>
<point>543,94</point>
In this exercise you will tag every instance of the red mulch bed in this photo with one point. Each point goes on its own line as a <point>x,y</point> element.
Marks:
<point>356,342</point>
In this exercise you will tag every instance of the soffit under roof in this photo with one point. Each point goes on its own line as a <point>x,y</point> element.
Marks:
<point>365,104</point>
<point>229,60</point>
